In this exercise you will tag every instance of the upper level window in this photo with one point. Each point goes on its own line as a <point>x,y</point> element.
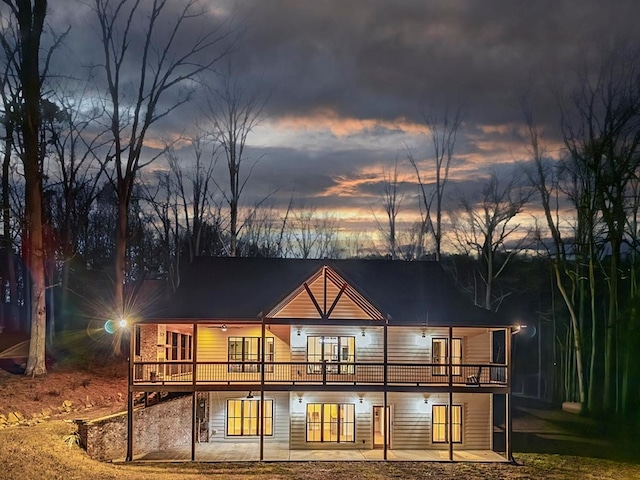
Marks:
<point>439,355</point>
<point>247,349</point>
<point>335,351</point>
<point>243,417</point>
<point>440,424</point>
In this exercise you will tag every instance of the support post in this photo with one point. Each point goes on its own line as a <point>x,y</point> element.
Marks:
<point>450,409</point>
<point>385,377</point>
<point>508,425</point>
<point>262,349</point>
<point>130,377</point>
<point>194,398</point>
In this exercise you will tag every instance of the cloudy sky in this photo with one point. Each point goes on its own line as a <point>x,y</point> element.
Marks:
<point>349,83</point>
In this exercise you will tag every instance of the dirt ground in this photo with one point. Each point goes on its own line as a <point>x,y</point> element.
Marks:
<point>61,393</point>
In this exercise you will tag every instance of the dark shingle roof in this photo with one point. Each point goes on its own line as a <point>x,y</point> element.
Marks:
<point>244,288</point>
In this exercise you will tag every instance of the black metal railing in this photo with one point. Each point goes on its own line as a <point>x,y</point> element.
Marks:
<point>319,373</point>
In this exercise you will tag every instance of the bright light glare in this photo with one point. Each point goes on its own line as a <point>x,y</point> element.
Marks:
<point>123,323</point>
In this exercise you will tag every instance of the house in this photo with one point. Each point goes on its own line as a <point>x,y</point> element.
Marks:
<point>381,359</point>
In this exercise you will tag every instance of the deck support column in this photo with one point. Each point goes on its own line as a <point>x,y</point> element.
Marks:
<point>194,397</point>
<point>262,349</point>
<point>450,409</point>
<point>130,378</point>
<point>508,425</point>
<point>385,378</point>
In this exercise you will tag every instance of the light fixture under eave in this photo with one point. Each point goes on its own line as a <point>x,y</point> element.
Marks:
<point>518,329</point>
<point>298,332</point>
<point>250,395</point>
<point>424,334</point>
<point>363,334</point>
<point>360,399</point>
<point>299,399</point>
<point>223,327</point>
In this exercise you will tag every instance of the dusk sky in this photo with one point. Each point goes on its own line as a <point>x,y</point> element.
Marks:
<point>349,83</point>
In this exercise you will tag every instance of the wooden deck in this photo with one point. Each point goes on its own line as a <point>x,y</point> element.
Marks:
<point>279,452</point>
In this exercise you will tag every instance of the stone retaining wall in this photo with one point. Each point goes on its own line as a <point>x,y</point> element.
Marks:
<point>158,427</point>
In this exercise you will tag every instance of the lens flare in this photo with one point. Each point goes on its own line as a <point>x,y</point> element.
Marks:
<point>110,326</point>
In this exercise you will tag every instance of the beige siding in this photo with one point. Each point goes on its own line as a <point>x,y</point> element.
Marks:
<point>213,343</point>
<point>302,306</point>
<point>476,345</point>
<point>218,416</point>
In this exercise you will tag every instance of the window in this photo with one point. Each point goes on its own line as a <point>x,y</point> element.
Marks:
<point>178,349</point>
<point>243,418</point>
<point>439,355</point>
<point>440,424</point>
<point>247,349</point>
<point>331,422</point>
<point>333,350</point>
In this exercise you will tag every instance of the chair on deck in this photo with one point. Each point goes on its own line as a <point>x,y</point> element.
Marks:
<point>475,379</point>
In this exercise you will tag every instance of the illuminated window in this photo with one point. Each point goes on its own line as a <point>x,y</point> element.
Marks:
<point>440,424</point>
<point>439,355</point>
<point>338,352</point>
<point>178,349</point>
<point>331,422</point>
<point>247,349</point>
<point>243,418</point>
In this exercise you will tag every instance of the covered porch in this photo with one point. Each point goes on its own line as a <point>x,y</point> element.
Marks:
<point>280,452</point>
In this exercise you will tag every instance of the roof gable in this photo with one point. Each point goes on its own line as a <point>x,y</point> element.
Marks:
<point>326,295</point>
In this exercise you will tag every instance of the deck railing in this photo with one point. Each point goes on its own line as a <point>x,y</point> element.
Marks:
<point>323,373</point>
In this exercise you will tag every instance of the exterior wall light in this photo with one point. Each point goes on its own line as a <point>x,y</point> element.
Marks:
<point>223,327</point>
<point>363,334</point>
<point>123,323</point>
<point>424,334</point>
<point>298,332</point>
<point>299,399</point>
<point>360,399</point>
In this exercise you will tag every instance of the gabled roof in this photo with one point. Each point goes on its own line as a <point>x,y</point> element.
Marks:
<point>421,293</point>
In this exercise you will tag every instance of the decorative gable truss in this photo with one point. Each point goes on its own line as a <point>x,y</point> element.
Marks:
<point>326,295</point>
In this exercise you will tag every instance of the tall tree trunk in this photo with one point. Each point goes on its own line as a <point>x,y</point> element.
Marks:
<point>610,373</point>
<point>31,22</point>
<point>11,320</point>
<point>120,263</point>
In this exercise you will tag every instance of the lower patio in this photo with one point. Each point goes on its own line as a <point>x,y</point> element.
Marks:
<point>280,452</point>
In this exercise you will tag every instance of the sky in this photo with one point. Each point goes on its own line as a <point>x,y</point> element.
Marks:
<point>349,84</point>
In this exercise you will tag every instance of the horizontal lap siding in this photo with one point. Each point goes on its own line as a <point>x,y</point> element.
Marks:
<point>410,421</point>
<point>407,345</point>
<point>218,416</point>
<point>477,347</point>
<point>213,342</point>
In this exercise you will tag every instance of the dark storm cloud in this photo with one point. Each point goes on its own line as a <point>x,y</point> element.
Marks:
<point>385,59</point>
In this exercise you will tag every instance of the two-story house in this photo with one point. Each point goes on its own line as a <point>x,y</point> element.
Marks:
<point>327,359</point>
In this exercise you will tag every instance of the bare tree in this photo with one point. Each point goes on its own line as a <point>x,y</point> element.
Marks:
<point>601,130</point>
<point>30,16</point>
<point>234,111</point>
<point>165,64</point>
<point>73,183</point>
<point>443,134</point>
<point>485,228</point>
<point>314,235</point>
<point>544,177</point>
<point>392,196</point>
